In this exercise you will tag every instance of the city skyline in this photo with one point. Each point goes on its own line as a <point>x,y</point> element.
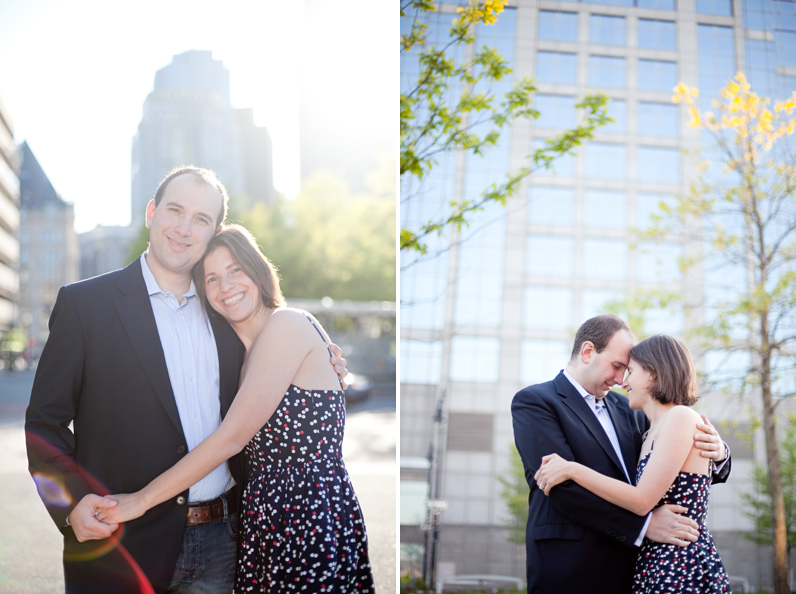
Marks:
<point>80,82</point>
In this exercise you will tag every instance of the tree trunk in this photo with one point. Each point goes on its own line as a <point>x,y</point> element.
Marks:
<point>781,569</point>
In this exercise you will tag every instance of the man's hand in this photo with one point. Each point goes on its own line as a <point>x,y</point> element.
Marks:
<point>339,363</point>
<point>707,439</point>
<point>668,526</point>
<point>84,521</point>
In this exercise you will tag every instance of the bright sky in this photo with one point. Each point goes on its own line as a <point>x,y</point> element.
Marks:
<point>74,75</point>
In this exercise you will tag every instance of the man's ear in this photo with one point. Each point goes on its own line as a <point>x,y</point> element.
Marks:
<point>150,212</point>
<point>586,351</point>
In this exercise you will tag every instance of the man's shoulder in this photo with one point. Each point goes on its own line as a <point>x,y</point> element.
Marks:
<point>541,390</point>
<point>97,285</point>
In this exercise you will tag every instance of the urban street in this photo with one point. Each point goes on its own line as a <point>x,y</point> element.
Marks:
<point>30,545</point>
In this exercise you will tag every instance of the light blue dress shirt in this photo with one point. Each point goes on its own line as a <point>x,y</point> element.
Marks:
<point>192,361</point>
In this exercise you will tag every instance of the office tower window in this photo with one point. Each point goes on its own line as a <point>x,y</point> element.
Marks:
<point>605,209</point>
<point>786,47</point>
<point>658,119</point>
<point>717,7</point>
<point>605,259</point>
<point>669,320</point>
<point>563,166</point>
<point>541,360</point>
<point>758,14</point>
<point>727,369</point>
<point>479,282</point>
<point>648,208</point>
<point>421,361</point>
<point>659,262</point>
<point>716,61</point>
<point>594,302</point>
<point>607,72</point>
<point>558,26</point>
<point>658,165</point>
<point>475,359</point>
<point>610,2</point>
<point>617,109</point>
<point>607,30</point>
<point>549,255</point>
<point>655,34</point>
<point>547,308</point>
<point>555,111</point>
<point>761,67</point>
<point>555,68</point>
<point>657,4</point>
<point>606,161</point>
<point>657,75</point>
<point>551,206</point>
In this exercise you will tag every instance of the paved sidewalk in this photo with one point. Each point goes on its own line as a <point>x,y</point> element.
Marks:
<point>30,545</point>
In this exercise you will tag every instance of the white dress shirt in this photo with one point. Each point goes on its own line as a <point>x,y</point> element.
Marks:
<point>192,361</point>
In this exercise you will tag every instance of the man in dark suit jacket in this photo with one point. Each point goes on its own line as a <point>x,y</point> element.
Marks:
<point>105,370</point>
<point>575,541</point>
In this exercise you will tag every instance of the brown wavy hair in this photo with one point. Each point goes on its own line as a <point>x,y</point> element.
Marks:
<point>672,368</point>
<point>244,249</point>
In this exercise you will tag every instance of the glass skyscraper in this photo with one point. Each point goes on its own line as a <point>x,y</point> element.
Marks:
<point>494,307</point>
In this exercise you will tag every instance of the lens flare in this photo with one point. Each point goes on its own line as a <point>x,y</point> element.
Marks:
<point>51,490</point>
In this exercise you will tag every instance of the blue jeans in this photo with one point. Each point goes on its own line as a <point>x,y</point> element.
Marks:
<point>206,564</point>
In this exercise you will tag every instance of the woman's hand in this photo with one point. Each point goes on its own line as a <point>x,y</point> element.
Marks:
<point>128,507</point>
<point>554,470</point>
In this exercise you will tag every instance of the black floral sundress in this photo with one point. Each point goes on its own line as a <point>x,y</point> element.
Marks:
<point>301,525</point>
<point>697,568</point>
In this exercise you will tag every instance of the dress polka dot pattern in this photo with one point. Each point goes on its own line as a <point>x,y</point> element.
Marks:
<point>697,568</point>
<point>301,525</point>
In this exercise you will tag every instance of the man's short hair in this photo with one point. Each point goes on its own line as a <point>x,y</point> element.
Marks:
<point>599,331</point>
<point>201,175</point>
<point>672,368</point>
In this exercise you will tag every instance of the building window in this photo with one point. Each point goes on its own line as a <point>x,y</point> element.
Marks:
<point>594,302</point>
<point>755,15</point>
<point>617,109</point>
<point>563,166</point>
<point>605,259</point>
<point>611,2</point>
<point>648,208</point>
<point>606,161</point>
<point>604,209</point>
<point>421,361</point>
<point>470,432</point>
<point>658,165</point>
<point>655,34</point>
<point>657,4</point>
<point>475,359</point>
<point>786,47</point>
<point>607,72</point>
<point>547,255</point>
<point>659,262</point>
<point>717,7</point>
<point>551,206</point>
<point>423,289</point>
<point>761,66</point>
<point>716,61</point>
<point>670,320</point>
<point>555,68</point>
<point>547,308</point>
<point>658,119</point>
<point>558,26</point>
<point>607,30</point>
<point>541,360</point>
<point>657,75</point>
<point>555,111</point>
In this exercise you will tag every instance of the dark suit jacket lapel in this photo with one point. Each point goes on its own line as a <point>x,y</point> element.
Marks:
<point>621,420</point>
<point>135,312</point>
<point>578,405</point>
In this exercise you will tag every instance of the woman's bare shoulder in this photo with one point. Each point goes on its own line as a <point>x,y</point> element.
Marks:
<point>681,416</point>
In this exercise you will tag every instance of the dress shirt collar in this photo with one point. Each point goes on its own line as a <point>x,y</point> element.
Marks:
<point>581,390</point>
<point>152,286</point>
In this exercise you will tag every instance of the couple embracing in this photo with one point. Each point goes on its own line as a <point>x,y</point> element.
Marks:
<point>185,426</point>
<point>619,485</point>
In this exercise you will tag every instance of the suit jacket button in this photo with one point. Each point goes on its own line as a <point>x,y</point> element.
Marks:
<point>181,450</point>
<point>180,500</point>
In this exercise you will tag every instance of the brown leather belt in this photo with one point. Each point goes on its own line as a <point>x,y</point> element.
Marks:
<point>210,511</point>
